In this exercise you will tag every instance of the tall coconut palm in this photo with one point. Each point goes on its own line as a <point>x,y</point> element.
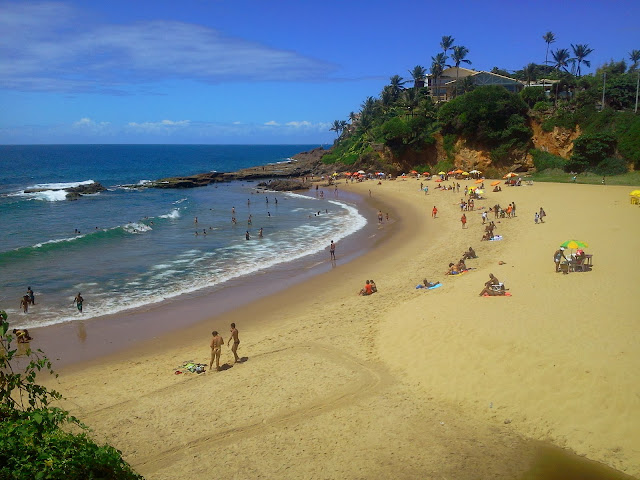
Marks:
<point>561,57</point>
<point>437,67</point>
<point>529,72</point>
<point>634,56</point>
<point>418,74</point>
<point>549,38</point>
<point>580,51</point>
<point>397,85</point>
<point>458,56</point>
<point>446,43</point>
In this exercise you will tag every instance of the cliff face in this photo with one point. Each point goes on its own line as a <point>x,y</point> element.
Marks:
<point>559,141</point>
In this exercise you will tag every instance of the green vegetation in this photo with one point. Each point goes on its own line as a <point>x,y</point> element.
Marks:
<point>38,441</point>
<point>398,130</point>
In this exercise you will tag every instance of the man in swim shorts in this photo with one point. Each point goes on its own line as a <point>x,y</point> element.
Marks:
<point>78,301</point>
<point>236,342</point>
<point>216,347</point>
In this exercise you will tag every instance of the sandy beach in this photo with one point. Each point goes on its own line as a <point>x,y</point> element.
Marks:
<point>406,383</point>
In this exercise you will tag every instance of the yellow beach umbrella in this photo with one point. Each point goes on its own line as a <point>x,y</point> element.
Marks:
<point>635,193</point>
<point>465,173</point>
<point>442,173</point>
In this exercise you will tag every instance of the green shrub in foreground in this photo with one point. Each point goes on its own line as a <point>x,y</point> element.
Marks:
<point>545,160</point>
<point>35,441</point>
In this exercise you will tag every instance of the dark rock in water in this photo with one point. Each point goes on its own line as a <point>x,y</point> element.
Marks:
<point>87,189</point>
<point>280,185</point>
<point>73,193</point>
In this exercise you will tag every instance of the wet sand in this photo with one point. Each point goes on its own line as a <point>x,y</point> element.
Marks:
<point>405,383</point>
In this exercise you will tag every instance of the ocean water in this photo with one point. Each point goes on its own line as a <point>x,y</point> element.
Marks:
<point>127,248</point>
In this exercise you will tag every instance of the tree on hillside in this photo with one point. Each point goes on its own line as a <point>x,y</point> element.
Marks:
<point>549,38</point>
<point>396,84</point>
<point>530,72</point>
<point>338,127</point>
<point>437,67</point>
<point>634,56</point>
<point>458,55</point>
<point>561,58</point>
<point>580,52</point>
<point>446,43</point>
<point>418,74</point>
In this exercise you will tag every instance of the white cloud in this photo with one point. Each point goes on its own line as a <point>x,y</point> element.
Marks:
<point>163,126</point>
<point>48,46</point>
<point>272,123</point>
<point>299,124</point>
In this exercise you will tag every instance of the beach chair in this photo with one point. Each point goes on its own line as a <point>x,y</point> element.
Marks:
<point>582,265</point>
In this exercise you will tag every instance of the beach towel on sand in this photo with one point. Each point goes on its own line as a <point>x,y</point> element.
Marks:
<point>428,288</point>
<point>506,294</point>
<point>496,238</point>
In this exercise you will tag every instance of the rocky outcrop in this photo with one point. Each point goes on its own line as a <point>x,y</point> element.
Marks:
<point>284,185</point>
<point>73,193</point>
<point>558,141</point>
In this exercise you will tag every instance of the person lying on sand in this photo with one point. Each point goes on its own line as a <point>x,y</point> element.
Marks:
<point>367,290</point>
<point>428,284</point>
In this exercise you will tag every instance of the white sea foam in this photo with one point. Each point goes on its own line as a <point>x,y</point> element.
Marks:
<point>59,186</point>
<point>195,270</point>
<point>175,213</point>
<point>136,228</point>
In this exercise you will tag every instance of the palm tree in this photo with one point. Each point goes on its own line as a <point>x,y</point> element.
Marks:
<point>397,85</point>
<point>580,51</point>
<point>337,127</point>
<point>418,74</point>
<point>437,67</point>
<point>529,73</point>
<point>634,56</point>
<point>561,57</point>
<point>458,56</point>
<point>549,38</point>
<point>446,43</point>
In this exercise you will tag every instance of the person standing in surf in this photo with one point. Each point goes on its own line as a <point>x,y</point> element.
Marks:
<point>332,250</point>
<point>78,302</point>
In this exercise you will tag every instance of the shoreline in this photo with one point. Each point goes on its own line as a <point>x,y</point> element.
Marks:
<point>435,373</point>
<point>81,341</point>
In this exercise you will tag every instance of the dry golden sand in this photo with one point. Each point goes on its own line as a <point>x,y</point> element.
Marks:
<point>406,383</point>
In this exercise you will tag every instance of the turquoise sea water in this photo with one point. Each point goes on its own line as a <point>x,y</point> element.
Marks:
<point>126,248</point>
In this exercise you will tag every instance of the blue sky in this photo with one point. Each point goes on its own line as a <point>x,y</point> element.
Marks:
<point>240,71</point>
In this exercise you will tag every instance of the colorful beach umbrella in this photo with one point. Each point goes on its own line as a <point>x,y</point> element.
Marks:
<point>510,174</point>
<point>465,173</point>
<point>574,244</point>
<point>442,173</point>
<point>493,184</point>
<point>479,181</point>
<point>635,193</point>
<point>458,171</point>
<point>413,171</point>
<point>475,171</point>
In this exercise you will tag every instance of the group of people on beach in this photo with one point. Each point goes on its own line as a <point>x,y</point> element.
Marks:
<point>216,346</point>
<point>30,299</point>
<point>369,288</point>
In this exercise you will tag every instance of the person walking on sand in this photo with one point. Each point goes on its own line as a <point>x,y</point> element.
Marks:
<point>434,212</point>
<point>236,342</point>
<point>332,250</point>
<point>463,219</point>
<point>216,347</point>
<point>557,258</point>
<point>542,214</point>
<point>78,302</point>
